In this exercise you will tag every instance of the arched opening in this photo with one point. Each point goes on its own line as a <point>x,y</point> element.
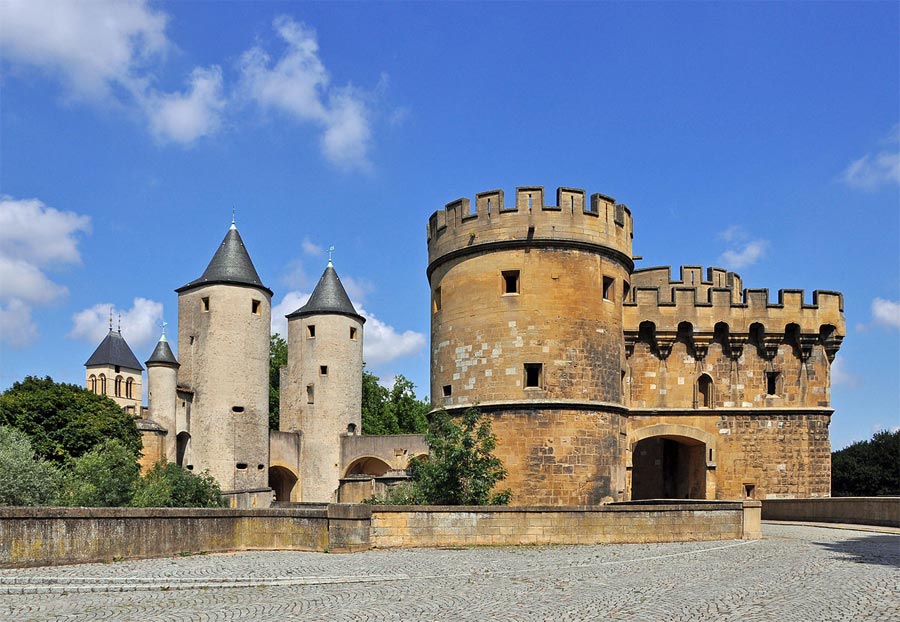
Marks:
<point>669,467</point>
<point>118,386</point>
<point>705,389</point>
<point>182,444</point>
<point>92,383</point>
<point>282,481</point>
<point>129,388</point>
<point>368,465</point>
<point>102,384</point>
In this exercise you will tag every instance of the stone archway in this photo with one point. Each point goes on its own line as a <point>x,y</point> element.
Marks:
<point>282,481</point>
<point>367,465</point>
<point>672,462</point>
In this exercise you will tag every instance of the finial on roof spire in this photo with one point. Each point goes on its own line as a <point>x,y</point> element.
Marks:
<point>330,252</point>
<point>120,323</point>
<point>233,226</point>
<point>110,319</point>
<point>163,325</point>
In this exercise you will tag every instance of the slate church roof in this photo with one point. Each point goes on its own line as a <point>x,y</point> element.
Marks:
<point>114,350</point>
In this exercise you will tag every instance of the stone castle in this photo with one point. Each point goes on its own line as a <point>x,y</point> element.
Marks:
<point>603,382</point>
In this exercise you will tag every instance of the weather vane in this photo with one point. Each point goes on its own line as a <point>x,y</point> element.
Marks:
<point>330,253</point>
<point>163,325</point>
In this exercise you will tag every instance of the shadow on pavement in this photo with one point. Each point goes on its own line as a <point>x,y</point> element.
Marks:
<point>879,550</point>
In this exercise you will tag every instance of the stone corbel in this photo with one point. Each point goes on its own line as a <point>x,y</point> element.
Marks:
<point>806,345</point>
<point>770,345</point>
<point>832,345</point>
<point>701,346</point>
<point>664,342</point>
<point>631,339</point>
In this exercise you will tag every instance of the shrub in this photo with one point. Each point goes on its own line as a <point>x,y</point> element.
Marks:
<point>24,479</point>
<point>168,485</point>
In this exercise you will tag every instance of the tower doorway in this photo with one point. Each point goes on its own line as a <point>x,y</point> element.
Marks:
<point>282,482</point>
<point>669,467</point>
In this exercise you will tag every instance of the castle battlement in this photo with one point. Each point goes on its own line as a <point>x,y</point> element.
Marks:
<point>598,221</point>
<point>718,298</point>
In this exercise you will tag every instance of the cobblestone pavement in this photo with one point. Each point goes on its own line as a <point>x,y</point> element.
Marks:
<point>795,573</point>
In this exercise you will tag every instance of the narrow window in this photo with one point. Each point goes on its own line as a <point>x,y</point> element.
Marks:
<point>92,383</point>
<point>510,281</point>
<point>750,491</point>
<point>572,202</point>
<point>353,333</point>
<point>704,391</point>
<point>351,429</point>
<point>254,307</point>
<point>626,289</point>
<point>436,300</point>
<point>533,375</point>
<point>529,201</point>
<point>118,386</point>
<point>129,388</point>
<point>323,370</point>
<point>118,369</point>
<point>489,206</point>
<point>102,384</point>
<point>310,394</point>
<point>192,340</point>
<point>205,303</point>
<point>608,283</point>
<point>447,390</point>
<point>311,331</point>
<point>237,409</point>
<point>771,382</point>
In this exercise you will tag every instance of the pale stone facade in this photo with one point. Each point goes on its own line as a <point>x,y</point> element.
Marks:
<point>610,383</point>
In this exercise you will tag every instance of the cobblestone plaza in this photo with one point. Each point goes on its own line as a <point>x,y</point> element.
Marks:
<point>799,573</point>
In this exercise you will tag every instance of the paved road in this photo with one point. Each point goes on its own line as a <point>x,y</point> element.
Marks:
<point>796,573</point>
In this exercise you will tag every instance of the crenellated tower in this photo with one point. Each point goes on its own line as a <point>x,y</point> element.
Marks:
<point>527,324</point>
<point>224,320</point>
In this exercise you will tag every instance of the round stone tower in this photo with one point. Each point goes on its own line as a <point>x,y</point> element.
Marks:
<point>321,392</point>
<point>527,325</point>
<point>162,380</point>
<point>224,320</point>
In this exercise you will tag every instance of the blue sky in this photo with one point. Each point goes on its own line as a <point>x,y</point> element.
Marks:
<point>760,137</point>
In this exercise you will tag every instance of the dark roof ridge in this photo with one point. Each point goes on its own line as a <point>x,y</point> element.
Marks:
<point>231,264</point>
<point>329,297</point>
<point>114,350</point>
<point>162,354</point>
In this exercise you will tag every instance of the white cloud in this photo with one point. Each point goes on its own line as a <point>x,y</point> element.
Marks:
<point>185,117</point>
<point>94,47</point>
<point>290,303</point>
<point>140,324</point>
<point>732,233</point>
<point>311,248</point>
<point>743,255</point>
<point>886,312</point>
<point>357,289</point>
<point>33,238</point>
<point>298,85</point>
<point>16,327</point>
<point>875,170</point>
<point>382,343</point>
<point>840,375</point>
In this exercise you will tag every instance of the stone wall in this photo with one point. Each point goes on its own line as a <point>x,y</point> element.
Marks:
<point>413,526</point>
<point>883,511</point>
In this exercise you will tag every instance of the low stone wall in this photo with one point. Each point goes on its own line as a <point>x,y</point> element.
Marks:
<point>630,522</point>
<point>51,536</point>
<point>883,511</point>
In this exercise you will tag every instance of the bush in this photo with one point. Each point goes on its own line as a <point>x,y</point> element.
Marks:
<point>24,479</point>
<point>103,477</point>
<point>167,485</point>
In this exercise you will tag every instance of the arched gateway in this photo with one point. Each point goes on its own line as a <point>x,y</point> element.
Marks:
<point>672,462</point>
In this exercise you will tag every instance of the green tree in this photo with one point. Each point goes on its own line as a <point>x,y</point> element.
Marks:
<point>410,412</point>
<point>168,485</point>
<point>64,421</point>
<point>392,411</point>
<point>867,468</point>
<point>278,351</point>
<point>24,479</point>
<point>105,476</point>
<point>376,417</point>
<point>460,469</point>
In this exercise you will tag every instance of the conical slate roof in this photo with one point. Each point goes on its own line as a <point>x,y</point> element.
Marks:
<point>114,350</point>
<point>329,297</point>
<point>230,264</point>
<point>162,354</point>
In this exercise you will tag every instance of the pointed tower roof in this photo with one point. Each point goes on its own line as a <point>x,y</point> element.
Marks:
<point>231,265</point>
<point>114,350</point>
<point>329,297</point>
<point>162,354</point>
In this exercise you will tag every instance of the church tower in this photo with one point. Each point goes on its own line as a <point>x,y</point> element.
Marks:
<point>114,371</point>
<point>224,320</point>
<point>321,396</point>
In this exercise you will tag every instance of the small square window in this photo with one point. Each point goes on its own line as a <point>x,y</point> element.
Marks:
<point>608,283</point>
<point>533,373</point>
<point>436,300</point>
<point>510,281</point>
<point>204,302</point>
<point>447,390</point>
<point>254,307</point>
<point>353,333</point>
<point>750,491</point>
<point>323,370</point>
<point>311,331</point>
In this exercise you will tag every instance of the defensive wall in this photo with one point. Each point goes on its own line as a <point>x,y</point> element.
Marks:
<point>883,511</point>
<point>52,536</point>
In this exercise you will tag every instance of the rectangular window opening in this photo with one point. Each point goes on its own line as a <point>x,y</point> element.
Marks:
<point>323,370</point>
<point>310,394</point>
<point>254,307</point>
<point>608,283</point>
<point>750,491</point>
<point>205,303</point>
<point>436,300</point>
<point>311,331</point>
<point>353,333</point>
<point>447,390</point>
<point>771,382</point>
<point>510,281</point>
<point>533,372</point>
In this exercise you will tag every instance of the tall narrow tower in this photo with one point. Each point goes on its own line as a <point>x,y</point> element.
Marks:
<point>162,379</point>
<point>322,393</point>
<point>224,320</point>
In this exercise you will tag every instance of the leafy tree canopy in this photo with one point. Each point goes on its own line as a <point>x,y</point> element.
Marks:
<point>867,468</point>
<point>24,479</point>
<point>392,411</point>
<point>65,421</point>
<point>460,469</point>
<point>168,485</point>
<point>105,476</point>
<point>278,352</point>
